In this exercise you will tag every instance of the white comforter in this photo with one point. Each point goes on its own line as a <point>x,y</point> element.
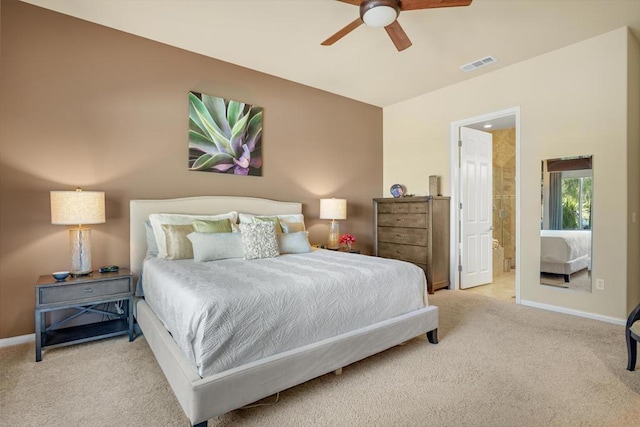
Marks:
<point>564,245</point>
<point>226,313</point>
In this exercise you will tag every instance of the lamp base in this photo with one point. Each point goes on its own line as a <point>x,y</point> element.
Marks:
<point>80,249</point>
<point>334,235</point>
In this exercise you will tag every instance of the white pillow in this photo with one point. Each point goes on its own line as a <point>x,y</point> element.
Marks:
<point>157,219</point>
<point>259,240</point>
<point>248,218</point>
<point>152,246</point>
<point>294,243</point>
<point>214,246</point>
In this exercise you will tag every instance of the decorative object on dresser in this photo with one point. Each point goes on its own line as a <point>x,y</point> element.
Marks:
<point>333,209</point>
<point>86,294</point>
<point>416,230</point>
<point>78,208</point>
<point>434,185</point>
<point>397,190</point>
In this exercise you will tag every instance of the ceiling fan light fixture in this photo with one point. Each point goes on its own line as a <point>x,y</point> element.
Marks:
<point>379,13</point>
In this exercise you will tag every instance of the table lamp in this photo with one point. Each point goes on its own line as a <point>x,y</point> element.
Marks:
<point>78,208</point>
<point>333,209</point>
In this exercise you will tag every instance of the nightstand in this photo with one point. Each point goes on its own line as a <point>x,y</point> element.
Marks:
<point>84,294</point>
<point>351,251</point>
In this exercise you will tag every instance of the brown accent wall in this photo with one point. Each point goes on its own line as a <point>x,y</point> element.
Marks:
<point>85,105</point>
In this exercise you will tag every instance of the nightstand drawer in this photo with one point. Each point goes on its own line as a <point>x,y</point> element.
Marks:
<point>81,291</point>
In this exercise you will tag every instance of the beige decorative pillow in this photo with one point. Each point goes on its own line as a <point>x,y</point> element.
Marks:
<point>178,245</point>
<point>291,227</point>
<point>259,240</point>
<point>215,226</point>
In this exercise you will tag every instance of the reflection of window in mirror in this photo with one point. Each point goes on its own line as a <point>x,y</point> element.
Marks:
<point>566,223</point>
<point>576,200</point>
<point>567,188</point>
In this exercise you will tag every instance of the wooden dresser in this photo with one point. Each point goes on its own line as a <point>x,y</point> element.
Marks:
<point>415,229</point>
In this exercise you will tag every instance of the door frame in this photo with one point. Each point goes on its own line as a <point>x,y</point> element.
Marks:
<point>455,190</point>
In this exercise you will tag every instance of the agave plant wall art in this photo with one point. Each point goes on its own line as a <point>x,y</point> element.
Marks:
<point>225,136</point>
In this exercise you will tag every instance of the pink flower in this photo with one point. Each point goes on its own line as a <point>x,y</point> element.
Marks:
<point>347,239</point>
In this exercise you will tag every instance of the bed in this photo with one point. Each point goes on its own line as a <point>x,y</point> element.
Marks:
<point>565,251</point>
<point>206,391</point>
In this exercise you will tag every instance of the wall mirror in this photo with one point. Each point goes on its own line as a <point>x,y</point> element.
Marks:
<point>566,223</point>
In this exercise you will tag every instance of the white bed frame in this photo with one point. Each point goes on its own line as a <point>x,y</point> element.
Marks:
<point>567,268</point>
<point>206,398</point>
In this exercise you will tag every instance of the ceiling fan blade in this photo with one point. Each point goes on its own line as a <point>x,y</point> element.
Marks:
<point>353,2</point>
<point>431,4</point>
<point>398,36</point>
<point>343,32</point>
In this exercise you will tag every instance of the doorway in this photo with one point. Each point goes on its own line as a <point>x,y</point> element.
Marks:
<point>491,255</point>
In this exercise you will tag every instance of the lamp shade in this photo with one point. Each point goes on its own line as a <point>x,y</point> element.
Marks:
<point>333,208</point>
<point>77,207</point>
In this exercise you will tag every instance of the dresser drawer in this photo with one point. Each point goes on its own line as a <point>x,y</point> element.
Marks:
<point>403,236</point>
<point>414,254</point>
<point>402,220</point>
<point>401,208</point>
<point>82,291</point>
<point>418,207</point>
<point>385,207</point>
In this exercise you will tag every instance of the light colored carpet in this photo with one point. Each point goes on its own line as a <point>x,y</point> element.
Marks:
<point>497,364</point>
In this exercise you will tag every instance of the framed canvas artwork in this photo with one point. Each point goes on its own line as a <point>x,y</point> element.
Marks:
<point>225,136</point>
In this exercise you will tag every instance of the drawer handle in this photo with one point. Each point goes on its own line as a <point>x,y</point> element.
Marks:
<point>87,290</point>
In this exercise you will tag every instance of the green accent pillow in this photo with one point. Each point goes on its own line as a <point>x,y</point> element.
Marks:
<point>274,219</point>
<point>215,226</point>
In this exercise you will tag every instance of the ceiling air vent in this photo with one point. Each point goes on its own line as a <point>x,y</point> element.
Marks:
<point>478,64</point>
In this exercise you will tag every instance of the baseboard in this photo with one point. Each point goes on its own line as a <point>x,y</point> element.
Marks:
<point>22,339</point>
<point>573,312</point>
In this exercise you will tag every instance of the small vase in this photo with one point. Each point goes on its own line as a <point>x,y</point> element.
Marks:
<point>346,247</point>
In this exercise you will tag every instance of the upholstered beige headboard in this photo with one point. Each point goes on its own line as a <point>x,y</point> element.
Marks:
<point>140,210</point>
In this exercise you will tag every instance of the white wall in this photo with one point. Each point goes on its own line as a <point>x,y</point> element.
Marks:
<point>572,101</point>
<point>633,159</point>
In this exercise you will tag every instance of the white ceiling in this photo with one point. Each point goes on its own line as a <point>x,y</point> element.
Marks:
<point>282,37</point>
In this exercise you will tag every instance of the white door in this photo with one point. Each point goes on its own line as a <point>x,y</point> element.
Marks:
<point>476,196</point>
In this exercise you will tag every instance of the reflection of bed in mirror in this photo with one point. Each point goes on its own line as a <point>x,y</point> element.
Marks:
<point>565,251</point>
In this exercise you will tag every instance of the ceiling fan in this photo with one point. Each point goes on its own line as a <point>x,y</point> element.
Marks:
<point>384,13</point>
